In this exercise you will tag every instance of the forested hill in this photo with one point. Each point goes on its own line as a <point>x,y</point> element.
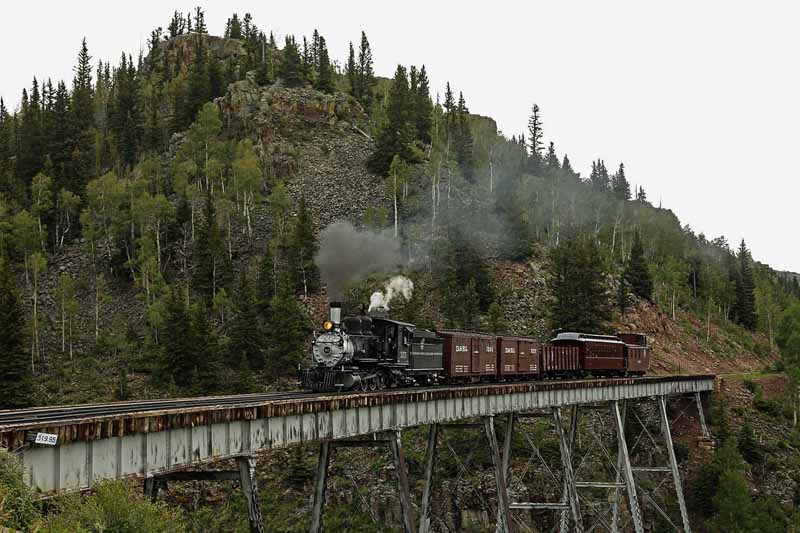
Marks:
<point>160,217</point>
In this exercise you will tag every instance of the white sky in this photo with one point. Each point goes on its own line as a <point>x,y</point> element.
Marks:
<point>701,100</point>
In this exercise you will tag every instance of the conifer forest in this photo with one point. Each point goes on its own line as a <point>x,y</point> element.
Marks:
<point>162,223</point>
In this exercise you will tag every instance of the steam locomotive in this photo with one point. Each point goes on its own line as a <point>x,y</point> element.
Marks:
<point>371,352</point>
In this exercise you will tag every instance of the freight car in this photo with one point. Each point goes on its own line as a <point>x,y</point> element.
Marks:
<point>374,352</point>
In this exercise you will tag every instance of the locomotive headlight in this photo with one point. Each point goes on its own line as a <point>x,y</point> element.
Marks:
<point>327,325</point>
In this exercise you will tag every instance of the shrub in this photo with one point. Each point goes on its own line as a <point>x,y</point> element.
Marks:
<point>17,510</point>
<point>113,506</point>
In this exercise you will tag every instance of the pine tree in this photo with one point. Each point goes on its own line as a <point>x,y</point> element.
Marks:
<point>212,268</point>
<point>463,141</point>
<point>566,166</point>
<point>535,139</point>
<point>365,75</point>
<point>350,71</point>
<point>302,250</point>
<point>745,290</point>
<point>233,28</point>
<point>199,20</point>
<point>198,89</point>
<point>641,197</point>
<point>580,299</point>
<point>15,370</point>
<point>324,81</point>
<point>599,176</point>
<point>551,160</point>
<point>209,364</point>
<point>287,330</point>
<point>245,329</point>
<point>619,184</point>
<point>265,285</point>
<point>291,71</point>
<point>396,135</point>
<point>423,107</point>
<point>636,273</point>
<point>179,356</point>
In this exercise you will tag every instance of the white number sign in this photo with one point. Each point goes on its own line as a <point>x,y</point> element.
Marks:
<point>46,438</point>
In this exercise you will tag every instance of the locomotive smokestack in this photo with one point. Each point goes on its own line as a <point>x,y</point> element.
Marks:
<point>336,313</point>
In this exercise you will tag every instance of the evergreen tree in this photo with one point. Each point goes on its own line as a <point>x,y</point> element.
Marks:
<point>177,25</point>
<point>365,76</point>
<point>324,81</point>
<point>304,272</point>
<point>423,107</point>
<point>566,166</point>
<point>641,197</point>
<point>580,299</point>
<point>619,184</point>
<point>179,354</point>
<point>245,330</point>
<point>199,20</point>
<point>212,268</point>
<point>636,273</point>
<point>291,71</point>
<point>599,176</point>
<point>462,139</point>
<point>287,331</point>
<point>551,160</point>
<point>233,28</point>
<point>209,366</point>
<point>15,369</point>
<point>463,281</point>
<point>745,307</point>
<point>198,89</point>
<point>124,115</point>
<point>397,133</point>
<point>265,285</point>
<point>535,139</point>
<point>350,71</point>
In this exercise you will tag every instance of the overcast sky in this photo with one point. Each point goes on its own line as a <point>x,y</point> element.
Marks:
<point>701,100</point>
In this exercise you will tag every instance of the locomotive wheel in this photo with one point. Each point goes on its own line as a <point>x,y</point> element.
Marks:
<point>373,383</point>
<point>363,386</point>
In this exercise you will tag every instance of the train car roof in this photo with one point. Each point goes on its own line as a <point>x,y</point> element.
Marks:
<point>586,337</point>
<point>390,321</point>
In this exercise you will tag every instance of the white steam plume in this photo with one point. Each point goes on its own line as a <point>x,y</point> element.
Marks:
<point>397,285</point>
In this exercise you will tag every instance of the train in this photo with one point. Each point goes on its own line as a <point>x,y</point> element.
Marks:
<point>370,352</point>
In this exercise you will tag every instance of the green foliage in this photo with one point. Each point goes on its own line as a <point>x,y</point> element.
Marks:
<point>116,507</point>
<point>179,356</point>
<point>462,278</point>
<point>17,509</point>
<point>744,310</point>
<point>399,131</point>
<point>788,338</point>
<point>286,332</point>
<point>15,370</point>
<point>749,448</point>
<point>579,296</point>
<point>291,71</point>
<point>212,267</point>
<point>245,327</point>
<point>303,272</point>
<point>636,273</point>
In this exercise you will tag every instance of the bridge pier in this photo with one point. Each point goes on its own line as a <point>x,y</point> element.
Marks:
<point>427,488</point>
<point>321,480</point>
<point>245,475</point>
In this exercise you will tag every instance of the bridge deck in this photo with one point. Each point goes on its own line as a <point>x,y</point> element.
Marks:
<point>135,439</point>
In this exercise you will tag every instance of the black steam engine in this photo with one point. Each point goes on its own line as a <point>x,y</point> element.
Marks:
<point>372,352</point>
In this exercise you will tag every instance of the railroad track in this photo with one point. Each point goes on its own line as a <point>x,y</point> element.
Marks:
<point>65,413</point>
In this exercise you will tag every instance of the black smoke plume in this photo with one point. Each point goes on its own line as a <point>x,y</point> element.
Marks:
<point>347,254</point>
